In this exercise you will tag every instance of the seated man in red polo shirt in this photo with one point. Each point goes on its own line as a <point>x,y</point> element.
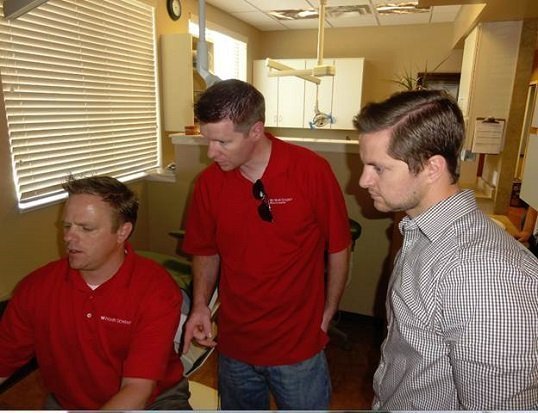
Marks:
<point>100,321</point>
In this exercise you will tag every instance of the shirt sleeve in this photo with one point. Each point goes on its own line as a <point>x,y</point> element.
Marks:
<point>490,322</point>
<point>16,332</point>
<point>200,225</point>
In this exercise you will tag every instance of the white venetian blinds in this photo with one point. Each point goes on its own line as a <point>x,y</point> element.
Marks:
<point>80,91</point>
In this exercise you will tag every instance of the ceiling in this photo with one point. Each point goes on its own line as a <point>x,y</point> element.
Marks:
<point>255,13</point>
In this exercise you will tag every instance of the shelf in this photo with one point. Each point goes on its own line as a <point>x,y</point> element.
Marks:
<point>316,144</point>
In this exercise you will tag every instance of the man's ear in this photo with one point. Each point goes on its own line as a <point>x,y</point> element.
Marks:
<point>436,167</point>
<point>257,130</point>
<point>124,231</point>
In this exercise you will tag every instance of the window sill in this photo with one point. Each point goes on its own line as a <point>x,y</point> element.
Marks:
<point>161,175</point>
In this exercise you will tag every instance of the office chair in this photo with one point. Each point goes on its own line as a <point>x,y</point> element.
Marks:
<point>356,230</point>
<point>181,271</point>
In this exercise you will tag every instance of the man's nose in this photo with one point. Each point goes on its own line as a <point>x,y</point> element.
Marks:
<point>211,150</point>
<point>365,179</point>
<point>69,234</point>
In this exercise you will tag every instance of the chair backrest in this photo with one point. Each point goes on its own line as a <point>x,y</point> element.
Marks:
<point>180,270</point>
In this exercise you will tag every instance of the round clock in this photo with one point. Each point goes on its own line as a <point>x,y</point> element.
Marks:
<point>174,9</point>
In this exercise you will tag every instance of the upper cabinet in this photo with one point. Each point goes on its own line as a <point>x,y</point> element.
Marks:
<point>488,72</point>
<point>177,81</point>
<point>347,91</point>
<point>284,96</point>
<point>291,101</point>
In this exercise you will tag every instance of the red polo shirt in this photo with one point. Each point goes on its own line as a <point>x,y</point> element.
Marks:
<point>86,340</point>
<point>272,279</point>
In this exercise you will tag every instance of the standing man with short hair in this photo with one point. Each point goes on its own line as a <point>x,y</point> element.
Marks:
<point>263,215</point>
<point>462,303</point>
<point>102,320</point>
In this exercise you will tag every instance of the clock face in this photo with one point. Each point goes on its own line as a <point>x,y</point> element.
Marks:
<point>174,8</point>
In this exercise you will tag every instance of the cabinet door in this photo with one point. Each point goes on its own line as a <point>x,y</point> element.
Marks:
<point>325,94</point>
<point>347,91</point>
<point>177,81</point>
<point>291,96</point>
<point>268,86</point>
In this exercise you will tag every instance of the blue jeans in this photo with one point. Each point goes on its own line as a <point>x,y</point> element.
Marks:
<point>301,386</point>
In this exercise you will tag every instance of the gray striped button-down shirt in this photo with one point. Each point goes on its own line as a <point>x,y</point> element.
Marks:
<point>462,310</point>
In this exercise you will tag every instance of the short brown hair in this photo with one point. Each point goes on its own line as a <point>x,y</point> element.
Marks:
<point>424,123</point>
<point>115,193</point>
<point>231,99</point>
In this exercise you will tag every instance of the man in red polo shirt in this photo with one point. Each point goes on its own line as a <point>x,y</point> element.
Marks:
<point>263,217</point>
<point>100,321</point>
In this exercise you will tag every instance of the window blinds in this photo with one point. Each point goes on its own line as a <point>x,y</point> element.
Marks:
<point>80,91</point>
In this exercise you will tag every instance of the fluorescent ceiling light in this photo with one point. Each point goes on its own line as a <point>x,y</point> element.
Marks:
<point>334,11</point>
<point>401,8</point>
<point>294,14</point>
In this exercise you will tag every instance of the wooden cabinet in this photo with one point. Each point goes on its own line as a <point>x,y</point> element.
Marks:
<point>268,86</point>
<point>284,96</point>
<point>177,81</point>
<point>488,72</point>
<point>291,97</point>
<point>290,101</point>
<point>347,91</point>
<point>181,83</point>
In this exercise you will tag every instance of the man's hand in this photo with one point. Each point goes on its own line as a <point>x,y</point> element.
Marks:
<point>523,236</point>
<point>198,327</point>
<point>326,320</point>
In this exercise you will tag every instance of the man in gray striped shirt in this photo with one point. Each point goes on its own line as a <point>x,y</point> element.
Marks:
<point>462,303</point>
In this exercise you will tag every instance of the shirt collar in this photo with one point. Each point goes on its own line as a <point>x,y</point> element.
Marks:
<point>121,278</point>
<point>436,219</point>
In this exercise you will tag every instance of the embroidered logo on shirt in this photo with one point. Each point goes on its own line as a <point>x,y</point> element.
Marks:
<point>280,201</point>
<point>115,320</point>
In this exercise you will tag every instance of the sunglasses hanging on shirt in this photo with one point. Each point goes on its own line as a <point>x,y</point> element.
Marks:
<point>264,209</point>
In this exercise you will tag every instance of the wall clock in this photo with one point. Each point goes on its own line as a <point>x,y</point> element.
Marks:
<point>174,9</point>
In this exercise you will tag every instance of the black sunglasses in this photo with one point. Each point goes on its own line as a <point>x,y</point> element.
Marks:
<point>264,209</point>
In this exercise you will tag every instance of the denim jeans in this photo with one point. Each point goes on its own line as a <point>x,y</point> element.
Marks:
<point>301,386</point>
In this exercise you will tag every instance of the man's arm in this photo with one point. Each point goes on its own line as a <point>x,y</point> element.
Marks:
<point>490,316</point>
<point>337,272</point>
<point>133,395</point>
<point>3,379</point>
<point>205,271</point>
<point>528,226</point>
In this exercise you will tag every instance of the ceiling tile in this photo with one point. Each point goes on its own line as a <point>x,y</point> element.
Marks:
<point>375,2</point>
<point>259,20</point>
<point>393,19</point>
<point>250,11</point>
<point>232,6</point>
<point>331,3</point>
<point>355,21</point>
<point>444,13</point>
<point>267,5</point>
<point>301,24</point>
